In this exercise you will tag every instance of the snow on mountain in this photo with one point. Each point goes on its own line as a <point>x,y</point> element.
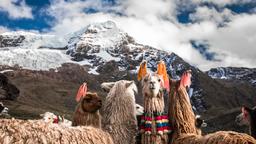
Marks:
<point>104,35</point>
<point>233,73</point>
<point>35,59</point>
<point>30,40</point>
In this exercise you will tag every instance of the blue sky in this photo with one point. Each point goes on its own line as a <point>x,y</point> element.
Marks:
<point>207,33</point>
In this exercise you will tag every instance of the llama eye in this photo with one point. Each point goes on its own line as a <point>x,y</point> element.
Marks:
<point>145,80</point>
<point>159,80</point>
<point>88,100</point>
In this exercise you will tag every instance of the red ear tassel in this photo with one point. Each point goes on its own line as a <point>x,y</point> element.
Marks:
<point>186,79</point>
<point>81,92</point>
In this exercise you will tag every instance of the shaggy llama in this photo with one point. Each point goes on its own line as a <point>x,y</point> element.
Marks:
<point>154,126</point>
<point>87,111</point>
<point>119,111</point>
<point>182,120</point>
<point>13,131</point>
<point>248,118</point>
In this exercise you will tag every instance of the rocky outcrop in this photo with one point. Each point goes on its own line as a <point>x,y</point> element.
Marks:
<point>8,91</point>
<point>11,41</point>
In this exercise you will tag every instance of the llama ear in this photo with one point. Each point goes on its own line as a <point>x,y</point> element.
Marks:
<point>161,70</point>
<point>128,84</point>
<point>246,110</point>
<point>142,70</point>
<point>106,86</point>
<point>185,79</point>
<point>81,92</point>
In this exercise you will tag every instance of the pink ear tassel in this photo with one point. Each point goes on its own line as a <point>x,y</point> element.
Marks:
<point>81,92</point>
<point>186,79</point>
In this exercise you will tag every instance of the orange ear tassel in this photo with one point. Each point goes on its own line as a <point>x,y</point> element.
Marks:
<point>143,70</point>
<point>81,92</point>
<point>185,79</point>
<point>161,70</point>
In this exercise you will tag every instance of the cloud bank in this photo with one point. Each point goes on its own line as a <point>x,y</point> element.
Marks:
<point>16,9</point>
<point>230,35</point>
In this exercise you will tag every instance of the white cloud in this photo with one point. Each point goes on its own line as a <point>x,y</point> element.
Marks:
<point>148,9</point>
<point>220,3</point>
<point>3,29</point>
<point>153,23</point>
<point>16,11</point>
<point>205,13</point>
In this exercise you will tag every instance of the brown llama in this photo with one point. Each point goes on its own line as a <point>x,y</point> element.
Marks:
<point>154,125</point>
<point>182,120</point>
<point>248,118</point>
<point>87,111</point>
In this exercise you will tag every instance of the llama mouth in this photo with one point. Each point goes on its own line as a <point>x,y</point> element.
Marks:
<point>152,87</point>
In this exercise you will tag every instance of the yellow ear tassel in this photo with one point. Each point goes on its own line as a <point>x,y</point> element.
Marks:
<point>143,70</point>
<point>161,70</point>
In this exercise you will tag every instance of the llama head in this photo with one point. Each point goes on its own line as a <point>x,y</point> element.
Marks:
<point>245,117</point>
<point>91,102</point>
<point>3,109</point>
<point>128,86</point>
<point>48,117</point>
<point>152,83</point>
<point>139,110</point>
<point>199,122</point>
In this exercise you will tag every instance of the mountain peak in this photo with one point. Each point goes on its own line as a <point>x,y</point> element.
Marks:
<point>96,37</point>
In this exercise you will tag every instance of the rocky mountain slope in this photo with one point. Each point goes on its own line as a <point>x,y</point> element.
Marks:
<point>48,74</point>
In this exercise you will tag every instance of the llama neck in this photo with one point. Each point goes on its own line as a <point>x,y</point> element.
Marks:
<point>154,104</point>
<point>181,115</point>
<point>252,128</point>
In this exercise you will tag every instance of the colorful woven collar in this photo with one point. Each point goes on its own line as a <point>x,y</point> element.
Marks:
<point>160,119</point>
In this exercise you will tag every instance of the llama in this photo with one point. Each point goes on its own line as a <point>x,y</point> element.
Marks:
<point>154,126</point>
<point>87,111</point>
<point>50,117</point>
<point>119,111</point>
<point>13,131</point>
<point>4,111</point>
<point>200,123</point>
<point>248,118</point>
<point>182,120</point>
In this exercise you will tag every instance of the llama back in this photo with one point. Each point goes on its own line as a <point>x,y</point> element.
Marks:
<point>36,131</point>
<point>220,137</point>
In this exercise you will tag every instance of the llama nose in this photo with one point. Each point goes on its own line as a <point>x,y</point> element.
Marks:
<point>100,102</point>
<point>152,83</point>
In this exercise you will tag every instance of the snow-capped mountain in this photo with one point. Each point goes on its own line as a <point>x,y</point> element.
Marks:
<point>26,49</point>
<point>233,73</point>
<point>106,52</point>
<point>94,46</point>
